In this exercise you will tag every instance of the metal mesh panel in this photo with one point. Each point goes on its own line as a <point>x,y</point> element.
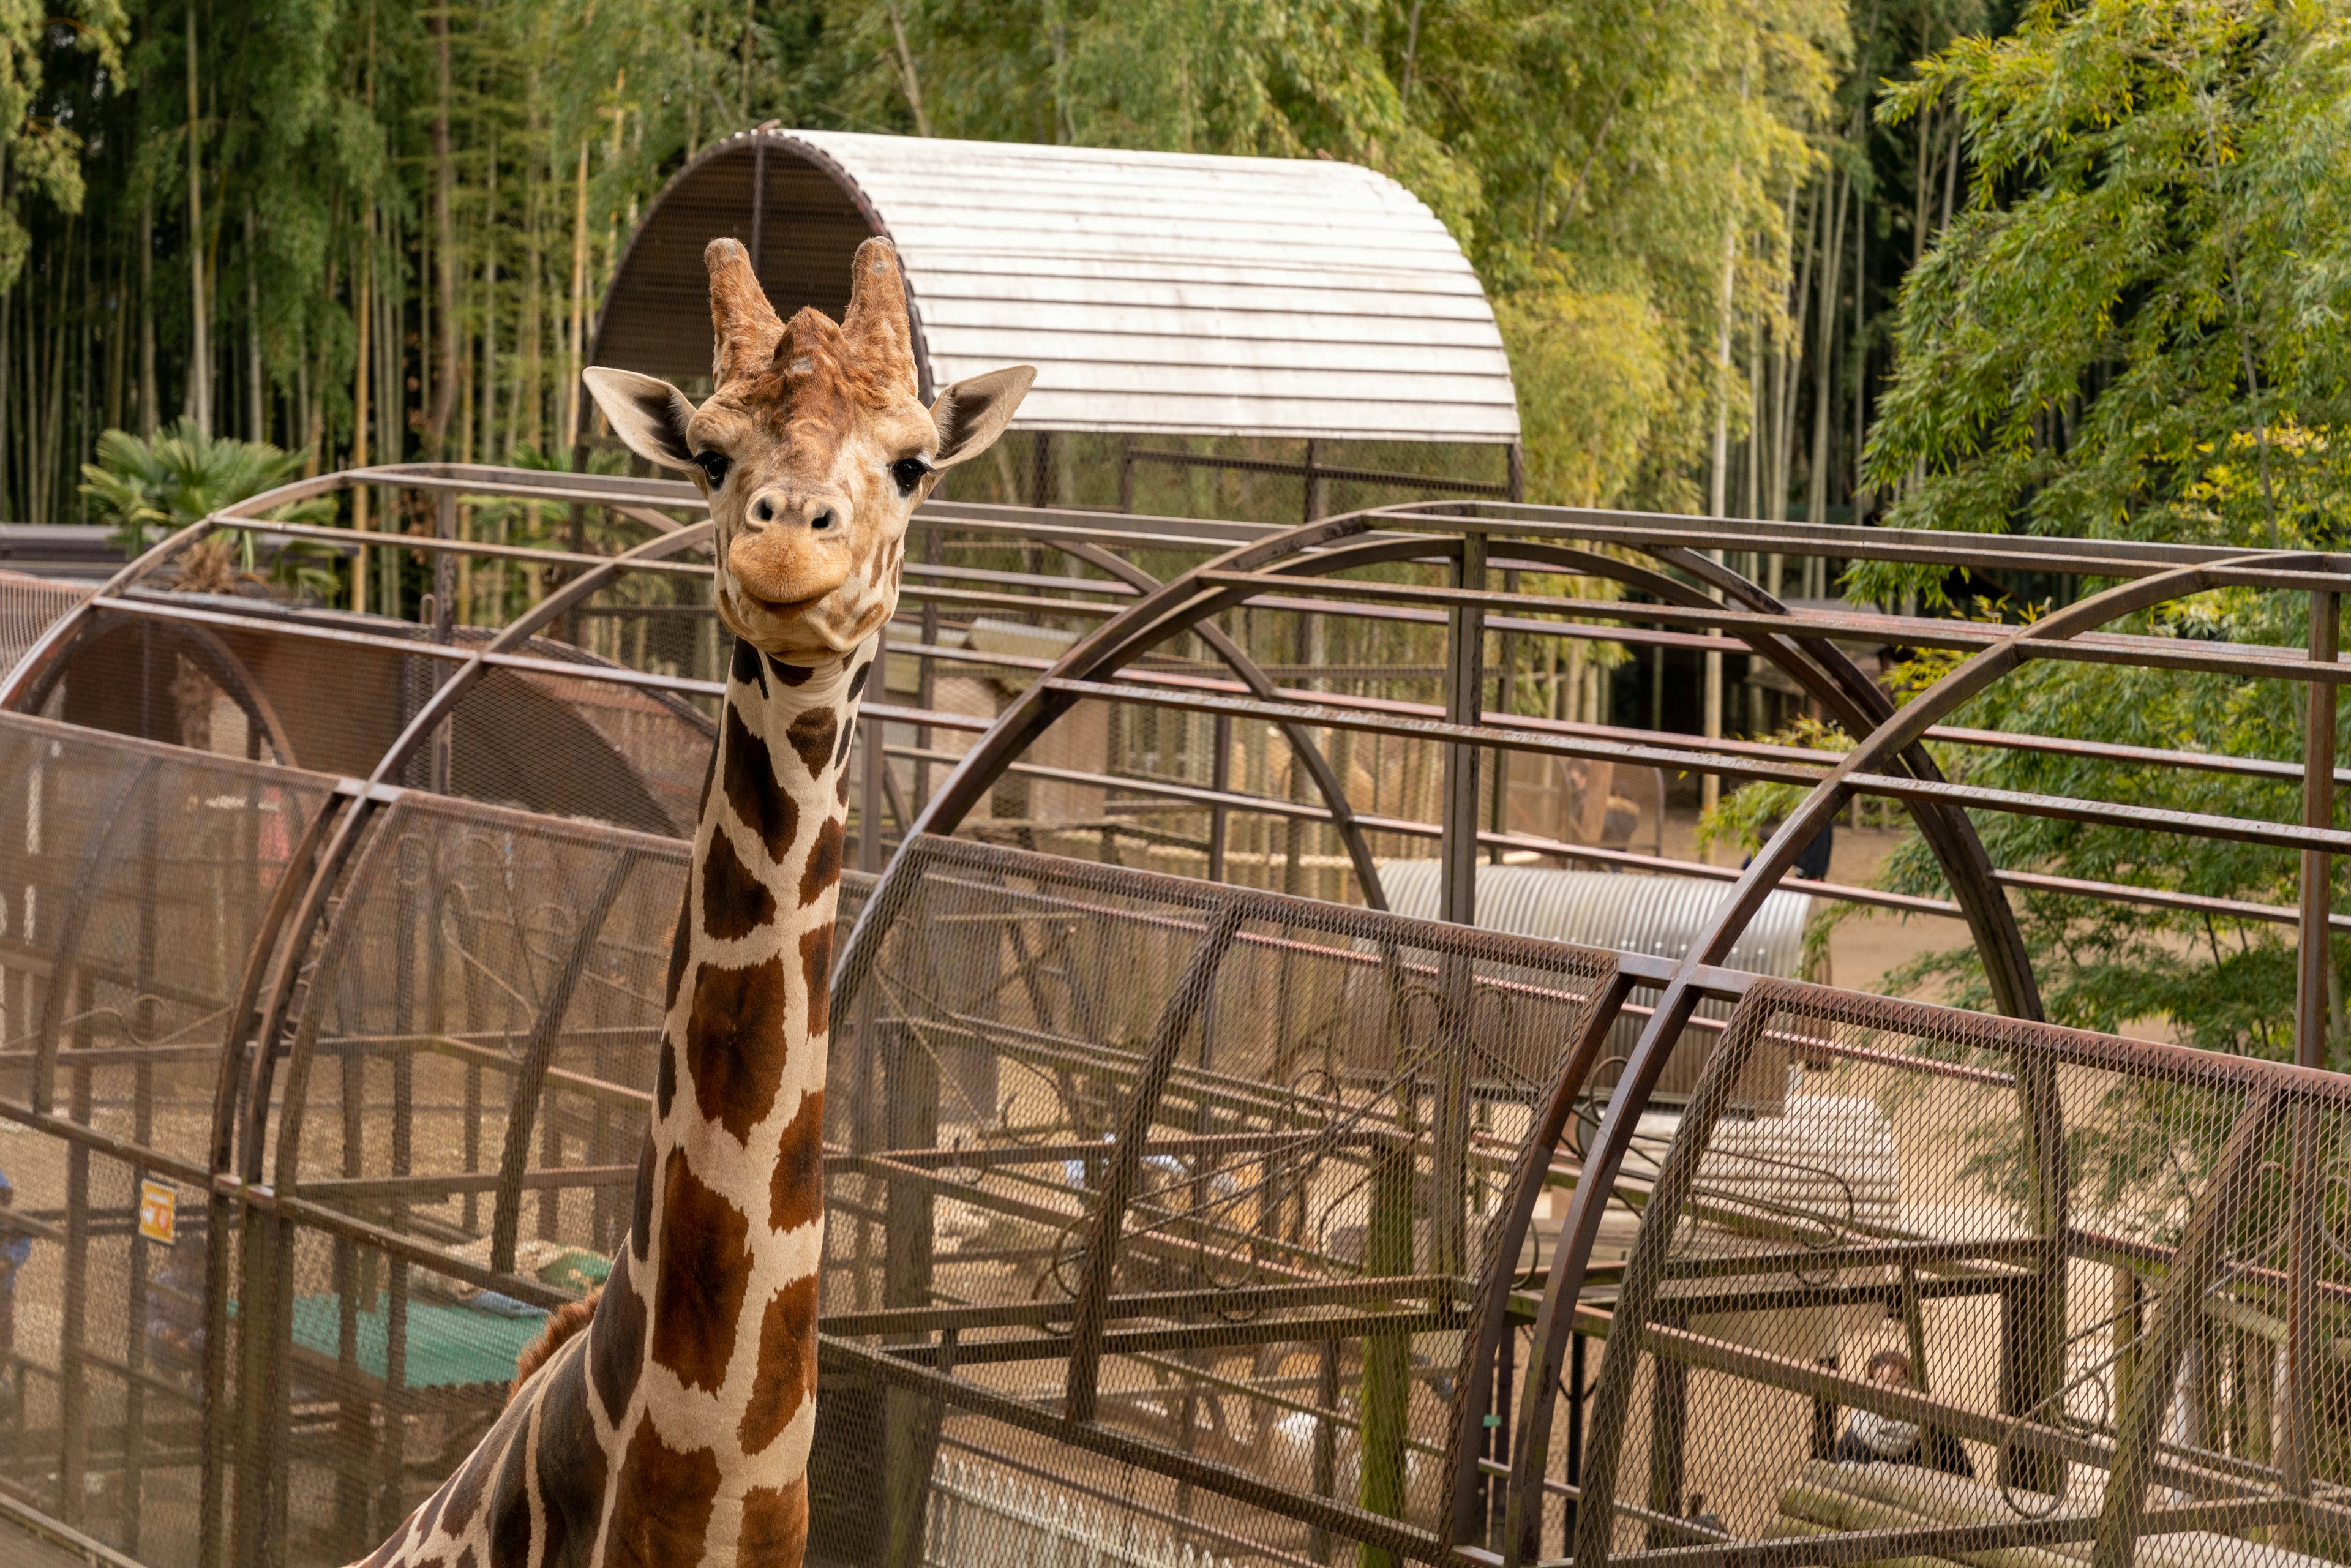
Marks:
<point>135,877</point>
<point>2018,1293</point>
<point>27,605</point>
<point>469,1063</point>
<point>1210,1171</point>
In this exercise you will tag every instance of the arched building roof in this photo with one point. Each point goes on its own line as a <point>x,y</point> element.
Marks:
<point>1161,292</point>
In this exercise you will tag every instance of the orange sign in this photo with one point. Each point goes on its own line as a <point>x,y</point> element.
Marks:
<point>158,1211</point>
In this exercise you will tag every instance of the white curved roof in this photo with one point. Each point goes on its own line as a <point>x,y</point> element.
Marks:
<point>1177,292</point>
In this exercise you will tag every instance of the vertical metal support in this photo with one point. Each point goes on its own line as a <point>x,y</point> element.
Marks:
<point>1220,780</point>
<point>758,202</point>
<point>1506,701</point>
<point>1313,487</point>
<point>1126,472</point>
<point>1387,1353</point>
<point>2315,954</point>
<point>1669,1440</point>
<point>1575,1391</point>
<point>875,759</point>
<point>143,1132</point>
<point>910,1097</point>
<point>1498,1433</point>
<point>1914,1326</point>
<point>1326,1442</point>
<point>1709,786</point>
<point>73,1399</point>
<point>2318,868</point>
<point>1465,697</point>
<point>444,617</point>
<point>926,678</point>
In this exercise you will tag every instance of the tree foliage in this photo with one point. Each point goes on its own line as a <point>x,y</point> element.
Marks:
<point>2135,330</point>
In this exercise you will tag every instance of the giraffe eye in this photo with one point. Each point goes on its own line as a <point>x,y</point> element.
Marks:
<point>713,466</point>
<point>909,472</point>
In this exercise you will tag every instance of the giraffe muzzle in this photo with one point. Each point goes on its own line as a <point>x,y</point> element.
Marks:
<point>789,552</point>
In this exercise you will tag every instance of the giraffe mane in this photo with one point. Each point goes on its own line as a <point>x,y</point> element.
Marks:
<point>561,1324</point>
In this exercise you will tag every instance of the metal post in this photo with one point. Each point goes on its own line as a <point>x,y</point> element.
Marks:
<point>2317,812</point>
<point>868,794</point>
<point>1578,1385</point>
<point>1669,1439</point>
<point>1465,696</point>
<point>758,199</point>
<point>1220,780</point>
<point>2316,953</point>
<point>1326,1442</point>
<point>445,616</point>
<point>1387,1353</point>
<point>1709,786</point>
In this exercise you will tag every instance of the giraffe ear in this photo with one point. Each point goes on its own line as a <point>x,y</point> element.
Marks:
<point>649,416</point>
<point>973,412</point>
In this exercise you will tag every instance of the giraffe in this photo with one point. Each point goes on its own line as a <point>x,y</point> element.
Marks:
<point>669,1423</point>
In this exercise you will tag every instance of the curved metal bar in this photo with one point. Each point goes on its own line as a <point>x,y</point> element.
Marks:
<point>1310,756</point>
<point>1186,1004</point>
<point>322,970</point>
<point>529,1077</point>
<point>1490,1300</point>
<point>225,668</point>
<point>1598,1179</point>
<point>221,1208</point>
<point>291,882</point>
<point>444,697</point>
<point>353,823</point>
<point>1861,706</point>
<point>68,629</point>
<point>2179,1315</point>
<point>1111,645</point>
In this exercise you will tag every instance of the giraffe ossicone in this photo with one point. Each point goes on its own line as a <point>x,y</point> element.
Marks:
<point>670,1426</point>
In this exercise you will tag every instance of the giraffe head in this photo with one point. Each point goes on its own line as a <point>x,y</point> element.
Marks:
<point>814,450</point>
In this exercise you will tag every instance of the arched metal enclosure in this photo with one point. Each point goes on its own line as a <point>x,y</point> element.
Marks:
<point>1183,1203</point>
<point>1262,337</point>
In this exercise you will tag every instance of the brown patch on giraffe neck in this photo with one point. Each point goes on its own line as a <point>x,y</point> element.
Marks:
<point>823,869</point>
<point>570,1466</point>
<point>816,976</point>
<point>616,1341</point>
<point>734,902</point>
<point>760,801</point>
<point>704,1268</point>
<point>812,734</point>
<point>510,1524</point>
<point>796,1186</point>
<point>661,1510</point>
<point>775,1526</point>
<point>787,1374</point>
<point>736,1042</point>
<point>680,946</point>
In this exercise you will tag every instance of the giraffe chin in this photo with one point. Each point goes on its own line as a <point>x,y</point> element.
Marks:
<point>804,630</point>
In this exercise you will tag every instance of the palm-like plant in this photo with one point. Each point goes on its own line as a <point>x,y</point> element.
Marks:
<point>145,489</point>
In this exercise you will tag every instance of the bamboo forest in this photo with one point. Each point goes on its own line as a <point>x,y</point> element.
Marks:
<point>361,230</point>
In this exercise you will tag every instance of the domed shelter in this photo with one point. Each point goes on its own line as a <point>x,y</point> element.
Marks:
<point>1274,339</point>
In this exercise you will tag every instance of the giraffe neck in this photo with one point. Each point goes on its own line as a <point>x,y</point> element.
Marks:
<point>675,1430</point>
<point>730,1204</point>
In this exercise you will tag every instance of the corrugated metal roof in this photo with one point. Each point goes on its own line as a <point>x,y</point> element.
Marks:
<point>1164,292</point>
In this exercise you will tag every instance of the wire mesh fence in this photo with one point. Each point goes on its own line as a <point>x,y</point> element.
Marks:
<point>2074,1301</point>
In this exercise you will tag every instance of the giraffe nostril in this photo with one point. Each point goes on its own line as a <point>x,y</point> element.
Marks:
<point>821,521</point>
<point>764,509</point>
